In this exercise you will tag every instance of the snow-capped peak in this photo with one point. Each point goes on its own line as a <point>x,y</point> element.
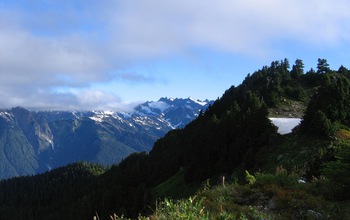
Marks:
<point>199,102</point>
<point>99,116</point>
<point>103,112</point>
<point>168,110</point>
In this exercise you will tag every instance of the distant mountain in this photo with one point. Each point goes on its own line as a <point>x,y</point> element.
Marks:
<point>36,141</point>
<point>300,175</point>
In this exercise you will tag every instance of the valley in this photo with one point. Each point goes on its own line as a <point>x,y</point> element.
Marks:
<point>37,141</point>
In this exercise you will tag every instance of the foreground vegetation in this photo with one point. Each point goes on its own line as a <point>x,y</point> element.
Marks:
<point>283,194</point>
<point>229,163</point>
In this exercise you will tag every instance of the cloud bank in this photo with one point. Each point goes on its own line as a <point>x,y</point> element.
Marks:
<point>52,54</point>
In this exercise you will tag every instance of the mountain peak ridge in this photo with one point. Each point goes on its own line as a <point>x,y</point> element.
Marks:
<point>57,138</point>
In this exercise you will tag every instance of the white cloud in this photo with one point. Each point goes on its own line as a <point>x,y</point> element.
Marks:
<point>100,100</point>
<point>156,27</point>
<point>72,45</point>
<point>43,60</point>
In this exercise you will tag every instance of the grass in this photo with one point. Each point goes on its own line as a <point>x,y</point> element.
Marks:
<point>272,196</point>
<point>343,134</point>
<point>174,187</point>
<point>292,152</point>
<point>276,193</point>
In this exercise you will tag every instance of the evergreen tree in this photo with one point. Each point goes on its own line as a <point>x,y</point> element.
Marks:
<point>297,69</point>
<point>285,64</point>
<point>343,70</point>
<point>329,105</point>
<point>322,66</point>
<point>227,136</point>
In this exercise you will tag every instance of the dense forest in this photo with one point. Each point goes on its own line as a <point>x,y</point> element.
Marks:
<point>232,140</point>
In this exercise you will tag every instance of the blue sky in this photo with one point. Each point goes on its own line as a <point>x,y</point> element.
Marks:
<point>111,54</point>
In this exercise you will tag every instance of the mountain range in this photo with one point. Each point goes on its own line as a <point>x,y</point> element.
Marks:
<point>231,162</point>
<point>37,141</point>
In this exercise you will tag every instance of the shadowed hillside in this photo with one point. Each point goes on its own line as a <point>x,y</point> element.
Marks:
<point>267,176</point>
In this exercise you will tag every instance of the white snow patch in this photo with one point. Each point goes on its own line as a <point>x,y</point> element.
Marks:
<point>198,102</point>
<point>103,112</point>
<point>176,126</point>
<point>94,118</point>
<point>285,125</point>
<point>140,121</point>
<point>108,112</point>
<point>7,116</point>
<point>3,113</point>
<point>48,139</point>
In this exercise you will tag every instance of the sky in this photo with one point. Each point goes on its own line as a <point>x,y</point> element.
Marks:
<point>113,54</point>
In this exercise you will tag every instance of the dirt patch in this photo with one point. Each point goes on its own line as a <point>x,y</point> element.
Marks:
<point>288,109</point>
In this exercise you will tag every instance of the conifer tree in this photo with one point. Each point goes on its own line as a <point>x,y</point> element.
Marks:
<point>322,66</point>
<point>297,69</point>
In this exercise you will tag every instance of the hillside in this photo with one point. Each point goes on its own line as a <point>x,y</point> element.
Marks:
<point>33,142</point>
<point>230,163</point>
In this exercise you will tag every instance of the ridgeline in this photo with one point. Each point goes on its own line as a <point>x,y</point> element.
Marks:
<point>229,163</point>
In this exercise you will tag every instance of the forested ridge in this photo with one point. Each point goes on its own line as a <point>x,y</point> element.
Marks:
<point>232,136</point>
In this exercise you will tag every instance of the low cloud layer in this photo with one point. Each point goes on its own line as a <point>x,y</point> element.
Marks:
<point>52,54</point>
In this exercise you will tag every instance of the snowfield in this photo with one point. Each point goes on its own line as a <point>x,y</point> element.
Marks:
<point>285,125</point>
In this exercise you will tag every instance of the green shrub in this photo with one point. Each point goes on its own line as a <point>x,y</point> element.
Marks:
<point>191,208</point>
<point>281,178</point>
<point>250,178</point>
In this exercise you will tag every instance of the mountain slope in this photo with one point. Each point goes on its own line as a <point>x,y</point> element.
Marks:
<point>17,156</point>
<point>231,136</point>
<point>34,142</point>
